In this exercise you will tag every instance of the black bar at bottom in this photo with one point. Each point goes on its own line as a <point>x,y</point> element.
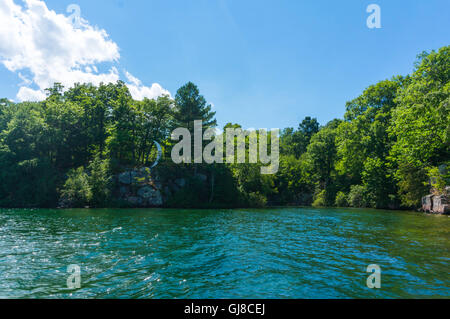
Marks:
<point>228,308</point>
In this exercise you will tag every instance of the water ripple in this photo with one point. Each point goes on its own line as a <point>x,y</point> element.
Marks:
<point>272,253</point>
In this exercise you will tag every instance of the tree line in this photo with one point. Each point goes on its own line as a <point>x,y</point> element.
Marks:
<point>391,147</point>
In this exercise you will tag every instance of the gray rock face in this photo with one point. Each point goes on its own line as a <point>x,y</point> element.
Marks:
<point>135,176</point>
<point>145,192</point>
<point>139,189</point>
<point>127,178</point>
<point>156,199</point>
<point>150,196</point>
<point>427,203</point>
<point>441,205</point>
<point>436,204</point>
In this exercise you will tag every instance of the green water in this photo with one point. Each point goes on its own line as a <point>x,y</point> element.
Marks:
<point>271,253</point>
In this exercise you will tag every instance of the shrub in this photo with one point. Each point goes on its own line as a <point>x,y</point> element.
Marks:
<point>320,199</point>
<point>76,191</point>
<point>437,180</point>
<point>341,200</point>
<point>357,196</point>
<point>192,195</point>
<point>412,181</point>
<point>256,199</point>
<point>100,181</point>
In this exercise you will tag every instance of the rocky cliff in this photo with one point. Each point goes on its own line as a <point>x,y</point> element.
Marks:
<point>139,188</point>
<point>142,188</point>
<point>437,204</point>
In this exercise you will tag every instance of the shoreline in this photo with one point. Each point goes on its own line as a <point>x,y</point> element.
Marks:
<point>227,208</point>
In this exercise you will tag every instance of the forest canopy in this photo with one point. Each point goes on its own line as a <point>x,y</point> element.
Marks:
<point>391,147</point>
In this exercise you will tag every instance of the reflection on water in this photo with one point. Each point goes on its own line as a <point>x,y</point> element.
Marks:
<point>272,253</point>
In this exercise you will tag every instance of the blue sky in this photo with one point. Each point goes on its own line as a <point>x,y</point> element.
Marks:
<point>263,64</point>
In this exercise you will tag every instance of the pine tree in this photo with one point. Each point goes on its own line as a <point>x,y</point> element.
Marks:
<point>191,106</point>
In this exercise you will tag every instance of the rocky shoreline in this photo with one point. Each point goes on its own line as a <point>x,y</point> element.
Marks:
<point>437,204</point>
<point>143,188</point>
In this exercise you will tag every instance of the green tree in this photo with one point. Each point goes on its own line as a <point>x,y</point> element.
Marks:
<point>296,142</point>
<point>100,181</point>
<point>341,199</point>
<point>421,124</point>
<point>122,130</point>
<point>76,191</point>
<point>190,106</point>
<point>322,157</point>
<point>154,120</point>
<point>364,134</point>
<point>357,197</point>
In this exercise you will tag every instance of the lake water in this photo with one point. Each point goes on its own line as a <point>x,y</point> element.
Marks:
<point>270,253</point>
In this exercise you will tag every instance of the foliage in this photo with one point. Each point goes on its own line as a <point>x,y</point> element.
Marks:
<point>341,199</point>
<point>320,199</point>
<point>437,180</point>
<point>388,150</point>
<point>411,186</point>
<point>421,124</point>
<point>357,197</point>
<point>191,106</point>
<point>376,183</point>
<point>100,181</point>
<point>255,199</point>
<point>76,191</point>
<point>296,142</point>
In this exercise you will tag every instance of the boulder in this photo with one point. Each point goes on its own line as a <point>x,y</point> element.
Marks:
<point>144,173</point>
<point>441,205</point>
<point>139,176</point>
<point>140,188</point>
<point>145,192</point>
<point>127,178</point>
<point>436,204</point>
<point>156,199</point>
<point>150,196</point>
<point>427,203</point>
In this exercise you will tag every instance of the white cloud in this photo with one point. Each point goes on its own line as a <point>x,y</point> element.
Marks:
<point>51,49</point>
<point>139,91</point>
<point>27,94</point>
